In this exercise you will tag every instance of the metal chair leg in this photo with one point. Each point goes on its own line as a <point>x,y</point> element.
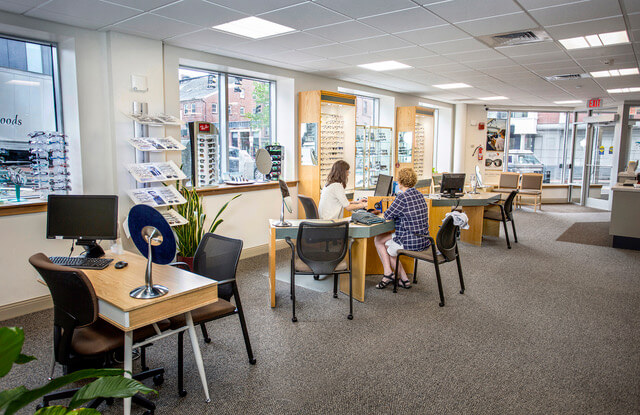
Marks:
<point>181,390</point>
<point>460,272</point>
<point>395,275</point>
<point>506,233</point>
<point>439,283</point>
<point>350,316</point>
<point>207,339</point>
<point>293,296</point>
<point>513,226</point>
<point>245,333</point>
<point>143,358</point>
<point>415,271</point>
<point>335,285</point>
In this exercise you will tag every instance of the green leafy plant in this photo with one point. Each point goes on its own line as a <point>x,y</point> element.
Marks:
<point>110,382</point>
<point>190,234</point>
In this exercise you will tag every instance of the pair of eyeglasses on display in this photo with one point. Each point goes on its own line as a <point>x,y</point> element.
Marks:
<point>495,162</point>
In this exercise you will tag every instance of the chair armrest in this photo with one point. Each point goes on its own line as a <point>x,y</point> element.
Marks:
<point>291,245</point>
<point>180,265</point>
<point>227,281</point>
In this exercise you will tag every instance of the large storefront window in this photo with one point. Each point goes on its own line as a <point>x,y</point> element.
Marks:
<point>28,103</point>
<point>246,126</point>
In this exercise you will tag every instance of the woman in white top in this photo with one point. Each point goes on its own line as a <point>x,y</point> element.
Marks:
<point>333,198</point>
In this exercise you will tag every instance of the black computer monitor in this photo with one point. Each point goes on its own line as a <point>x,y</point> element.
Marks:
<point>452,183</point>
<point>383,187</point>
<point>86,218</point>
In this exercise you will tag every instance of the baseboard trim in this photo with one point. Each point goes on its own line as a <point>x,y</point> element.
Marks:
<point>261,249</point>
<point>20,308</point>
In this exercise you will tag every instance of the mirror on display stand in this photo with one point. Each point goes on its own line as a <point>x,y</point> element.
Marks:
<point>264,164</point>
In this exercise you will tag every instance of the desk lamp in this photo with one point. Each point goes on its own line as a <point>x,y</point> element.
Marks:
<point>154,238</point>
<point>286,202</point>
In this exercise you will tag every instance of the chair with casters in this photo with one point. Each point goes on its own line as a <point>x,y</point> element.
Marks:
<point>531,186</point>
<point>503,213</point>
<point>216,257</point>
<point>447,245</point>
<point>321,248</point>
<point>81,340</point>
<point>310,208</point>
<point>508,182</point>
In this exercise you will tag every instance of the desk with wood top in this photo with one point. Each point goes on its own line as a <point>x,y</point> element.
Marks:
<point>187,291</point>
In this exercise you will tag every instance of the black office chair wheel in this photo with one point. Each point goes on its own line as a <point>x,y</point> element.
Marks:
<point>158,380</point>
<point>39,406</point>
<point>182,393</point>
<point>252,361</point>
<point>335,295</point>
<point>441,304</point>
<point>294,319</point>
<point>316,277</point>
<point>350,317</point>
<point>207,340</point>
<point>461,291</point>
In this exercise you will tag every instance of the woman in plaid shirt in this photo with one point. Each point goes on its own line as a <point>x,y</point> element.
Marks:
<point>409,212</point>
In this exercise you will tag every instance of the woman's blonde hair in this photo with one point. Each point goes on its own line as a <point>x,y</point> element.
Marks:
<point>339,173</point>
<point>407,177</point>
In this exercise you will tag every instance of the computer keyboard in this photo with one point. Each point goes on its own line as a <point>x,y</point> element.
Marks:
<point>81,262</point>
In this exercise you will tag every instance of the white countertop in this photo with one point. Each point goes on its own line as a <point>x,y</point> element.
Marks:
<point>621,188</point>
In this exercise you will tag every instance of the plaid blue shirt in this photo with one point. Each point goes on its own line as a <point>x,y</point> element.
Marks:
<point>409,212</point>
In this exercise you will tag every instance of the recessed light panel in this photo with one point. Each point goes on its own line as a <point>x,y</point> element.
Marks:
<point>452,86</point>
<point>615,72</point>
<point>254,28</point>
<point>384,66</point>
<point>623,90</point>
<point>571,101</point>
<point>594,41</point>
<point>497,98</point>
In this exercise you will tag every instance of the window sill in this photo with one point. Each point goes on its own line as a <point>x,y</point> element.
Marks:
<point>225,188</point>
<point>23,208</point>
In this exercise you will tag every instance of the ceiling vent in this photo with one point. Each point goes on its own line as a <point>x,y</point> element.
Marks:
<point>566,77</point>
<point>515,38</point>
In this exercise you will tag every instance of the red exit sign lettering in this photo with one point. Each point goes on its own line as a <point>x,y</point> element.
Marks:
<point>595,103</point>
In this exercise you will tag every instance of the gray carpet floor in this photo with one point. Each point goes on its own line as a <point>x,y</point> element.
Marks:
<point>546,327</point>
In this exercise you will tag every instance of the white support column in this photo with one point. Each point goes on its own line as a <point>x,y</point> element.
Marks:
<point>459,135</point>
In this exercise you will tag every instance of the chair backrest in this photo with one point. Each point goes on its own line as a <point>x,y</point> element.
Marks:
<point>531,181</point>
<point>508,204</point>
<point>310,208</point>
<point>74,302</point>
<point>423,185</point>
<point>322,245</point>
<point>446,239</point>
<point>509,180</point>
<point>217,258</point>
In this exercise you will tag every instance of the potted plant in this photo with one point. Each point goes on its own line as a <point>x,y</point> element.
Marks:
<point>190,234</point>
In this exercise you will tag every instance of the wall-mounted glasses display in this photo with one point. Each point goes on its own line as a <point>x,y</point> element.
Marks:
<point>374,150</point>
<point>333,139</point>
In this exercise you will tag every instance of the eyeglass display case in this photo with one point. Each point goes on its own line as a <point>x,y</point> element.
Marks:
<point>414,139</point>
<point>374,155</point>
<point>327,134</point>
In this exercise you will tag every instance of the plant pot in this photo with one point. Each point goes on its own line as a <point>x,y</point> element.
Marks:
<point>187,260</point>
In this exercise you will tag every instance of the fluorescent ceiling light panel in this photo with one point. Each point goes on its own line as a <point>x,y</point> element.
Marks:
<point>452,86</point>
<point>497,98</point>
<point>629,71</point>
<point>575,43</point>
<point>254,28</point>
<point>614,38</point>
<point>22,83</point>
<point>623,90</point>
<point>384,66</point>
<point>427,105</point>
<point>570,101</point>
<point>614,72</point>
<point>594,41</point>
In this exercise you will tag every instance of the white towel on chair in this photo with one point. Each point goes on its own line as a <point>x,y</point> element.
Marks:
<point>459,219</point>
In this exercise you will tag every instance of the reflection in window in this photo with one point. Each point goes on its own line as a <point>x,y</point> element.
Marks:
<point>367,110</point>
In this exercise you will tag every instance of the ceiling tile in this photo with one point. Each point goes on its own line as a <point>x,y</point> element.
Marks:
<point>559,56</point>
<point>253,7</point>
<point>493,63</point>
<point>156,27</point>
<point>433,35</point>
<point>498,24</point>
<point>332,51</point>
<point>323,64</point>
<point>457,46</point>
<point>631,6</point>
<point>294,56</point>
<point>564,31</point>
<point>462,10</point>
<point>361,58</point>
<point>343,32</point>
<point>296,40</point>
<point>377,43</point>
<point>605,52</point>
<point>20,6</point>
<point>530,49</point>
<point>199,12</point>
<point>91,14</point>
<point>409,52</point>
<point>207,38</point>
<point>634,21</point>
<point>145,5</point>
<point>446,68</point>
<point>304,16</point>
<point>258,48</point>
<point>546,69</point>
<point>597,63</point>
<point>481,55</point>
<point>577,12</point>
<point>363,8</point>
<point>426,61</point>
<point>410,19</point>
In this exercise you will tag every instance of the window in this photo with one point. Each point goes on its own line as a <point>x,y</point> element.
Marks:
<point>367,110</point>
<point>30,102</point>
<point>186,109</point>
<point>243,130</point>
<point>193,108</point>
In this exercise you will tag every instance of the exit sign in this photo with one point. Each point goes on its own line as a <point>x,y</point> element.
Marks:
<point>595,103</point>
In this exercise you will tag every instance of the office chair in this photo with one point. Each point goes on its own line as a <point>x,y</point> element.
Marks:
<point>446,243</point>
<point>504,215</point>
<point>216,258</point>
<point>80,339</point>
<point>310,208</point>
<point>321,248</point>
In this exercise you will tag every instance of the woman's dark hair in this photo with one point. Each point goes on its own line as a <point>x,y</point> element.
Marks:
<point>339,173</point>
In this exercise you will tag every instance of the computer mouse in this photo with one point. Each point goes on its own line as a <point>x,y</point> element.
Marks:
<point>120,264</point>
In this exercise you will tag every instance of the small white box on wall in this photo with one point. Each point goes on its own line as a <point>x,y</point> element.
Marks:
<point>139,83</point>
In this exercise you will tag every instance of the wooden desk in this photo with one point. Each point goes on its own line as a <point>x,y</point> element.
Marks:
<point>359,250</point>
<point>187,291</point>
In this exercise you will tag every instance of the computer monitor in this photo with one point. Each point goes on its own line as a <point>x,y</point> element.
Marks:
<point>86,218</point>
<point>383,187</point>
<point>452,183</point>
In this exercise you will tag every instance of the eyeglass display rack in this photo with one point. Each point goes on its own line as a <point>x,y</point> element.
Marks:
<point>204,138</point>
<point>414,139</point>
<point>145,172</point>
<point>374,152</point>
<point>49,163</point>
<point>276,151</point>
<point>327,134</point>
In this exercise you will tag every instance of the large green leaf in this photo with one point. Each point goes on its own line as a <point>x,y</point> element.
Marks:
<point>108,387</point>
<point>23,358</point>
<point>28,396</point>
<point>9,395</point>
<point>11,340</point>
<point>61,410</point>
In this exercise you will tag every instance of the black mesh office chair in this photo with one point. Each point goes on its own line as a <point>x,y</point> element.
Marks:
<point>80,339</point>
<point>216,258</point>
<point>446,243</point>
<point>504,215</point>
<point>321,248</point>
<point>310,208</point>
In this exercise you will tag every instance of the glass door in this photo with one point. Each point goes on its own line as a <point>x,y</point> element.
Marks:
<point>576,163</point>
<point>599,166</point>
